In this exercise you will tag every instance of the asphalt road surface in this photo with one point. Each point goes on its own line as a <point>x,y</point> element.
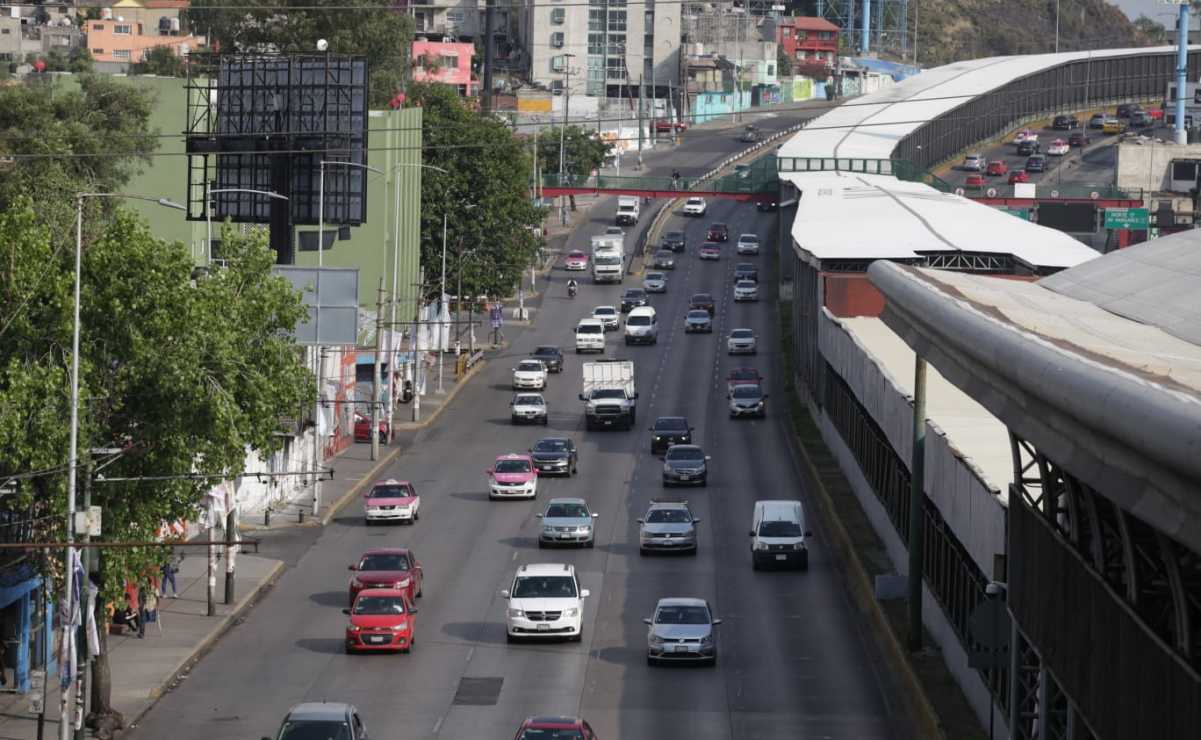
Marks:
<point>794,657</point>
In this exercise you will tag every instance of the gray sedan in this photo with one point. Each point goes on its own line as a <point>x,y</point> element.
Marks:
<point>654,282</point>
<point>664,259</point>
<point>747,400</point>
<point>685,465</point>
<point>667,526</point>
<point>566,521</point>
<point>681,630</point>
<point>698,320</point>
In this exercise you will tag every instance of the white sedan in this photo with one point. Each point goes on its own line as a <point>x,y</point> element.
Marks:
<point>742,341</point>
<point>746,290</point>
<point>748,244</point>
<point>529,375</point>
<point>695,207</point>
<point>1058,148</point>
<point>528,408</point>
<point>608,316</point>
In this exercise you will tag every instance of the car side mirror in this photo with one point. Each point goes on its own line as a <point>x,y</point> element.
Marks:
<point>716,621</point>
<point>696,521</point>
<point>512,402</point>
<point>352,567</point>
<point>708,457</point>
<point>751,533</point>
<point>504,594</point>
<point>346,611</point>
<point>582,397</point>
<point>413,610</point>
<point>595,515</point>
<point>638,520</point>
<point>692,429</point>
<point>538,516</point>
<point>585,593</point>
<point>645,620</point>
<point>635,396</point>
<point>808,532</point>
<point>488,471</point>
<point>765,395</point>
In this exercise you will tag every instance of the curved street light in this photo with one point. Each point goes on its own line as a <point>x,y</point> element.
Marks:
<point>208,212</point>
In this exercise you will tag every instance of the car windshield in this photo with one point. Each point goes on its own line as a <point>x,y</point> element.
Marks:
<point>682,615</point>
<point>699,314</point>
<point>512,466</point>
<point>695,201</point>
<point>718,227</point>
<point>608,393</point>
<point>384,561</point>
<point>702,298</point>
<point>390,492</point>
<point>742,334</point>
<point>745,284</point>
<point>663,254</point>
<point>748,238</point>
<point>314,730</point>
<point>668,516</point>
<point>551,445</point>
<point>608,259</point>
<point>576,256</point>
<point>379,605</point>
<point>544,587</point>
<point>674,236</point>
<point>746,391</point>
<point>685,453</point>
<point>550,734</point>
<point>671,424</point>
<point>590,329</point>
<point>604,311</point>
<point>710,247</point>
<point>530,366</point>
<point>638,321</point>
<point>635,294</point>
<point>779,529</point>
<point>566,511</point>
<point>528,401</point>
<point>653,276</point>
<point>546,351</point>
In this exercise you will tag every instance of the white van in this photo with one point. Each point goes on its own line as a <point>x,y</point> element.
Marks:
<point>589,336</point>
<point>778,534</point>
<point>642,326</point>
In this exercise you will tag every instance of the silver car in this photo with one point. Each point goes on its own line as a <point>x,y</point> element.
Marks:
<point>746,290</point>
<point>748,244</point>
<point>608,316</point>
<point>667,526</point>
<point>698,320</point>
<point>566,521</point>
<point>664,260</point>
<point>742,342</point>
<point>748,399</point>
<point>681,631</point>
<point>529,408</point>
<point>655,282</point>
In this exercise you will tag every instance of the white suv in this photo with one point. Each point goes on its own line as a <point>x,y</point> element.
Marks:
<point>748,244</point>
<point>545,600</point>
<point>590,336</point>
<point>694,207</point>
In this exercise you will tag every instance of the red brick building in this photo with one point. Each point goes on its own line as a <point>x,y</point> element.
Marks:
<point>808,40</point>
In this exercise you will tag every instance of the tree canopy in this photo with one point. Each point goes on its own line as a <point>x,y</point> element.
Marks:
<point>485,194</point>
<point>583,151</point>
<point>376,29</point>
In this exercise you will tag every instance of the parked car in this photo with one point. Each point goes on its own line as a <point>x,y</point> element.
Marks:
<point>1141,119</point>
<point>1078,139</point>
<point>663,125</point>
<point>1113,126</point>
<point>1037,163</point>
<point>362,428</point>
<point>1018,176</point>
<point>1058,148</point>
<point>1065,123</point>
<point>718,232</point>
<point>997,167</point>
<point>1126,110</point>
<point>973,163</point>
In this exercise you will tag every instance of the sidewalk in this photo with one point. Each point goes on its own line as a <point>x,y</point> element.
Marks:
<point>144,669</point>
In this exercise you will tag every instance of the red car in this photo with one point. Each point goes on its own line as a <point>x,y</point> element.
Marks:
<point>1018,176</point>
<point>743,376</point>
<point>997,167</point>
<point>576,260</point>
<point>380,619</point>
<point>387,567</point>
<point>718,233</point>
<point>554,728</point>
<point>709,251</point>
<point>663,125</point>
<point>974,181</point>
<point>362,428</point>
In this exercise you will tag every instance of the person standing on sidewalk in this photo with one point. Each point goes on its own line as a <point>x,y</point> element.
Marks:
<point>169,569</point>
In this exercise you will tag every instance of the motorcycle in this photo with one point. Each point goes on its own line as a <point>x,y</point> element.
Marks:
<point>571,290</point>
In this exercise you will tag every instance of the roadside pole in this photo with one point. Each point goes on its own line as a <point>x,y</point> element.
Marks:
<point>231,542</point>
<point>84,700</point>
<point>375,375</point>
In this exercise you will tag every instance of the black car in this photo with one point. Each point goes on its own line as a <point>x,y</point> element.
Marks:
<point>746,271</point>
<point>555,456</point>
<point>718,233</point>
<point>668,431</point>
<point>769,204</point>
<point>685,465</point>
<point>551,356</point>
<point>1037,163</point>
<point>1126,110</point>
<point>674,240</point>
<point>664,259</point>
<point>1028,147</point>
<point>1065,123</point>
<point>702,301</point>
<point>633,298</point>
<point>1078,139</point>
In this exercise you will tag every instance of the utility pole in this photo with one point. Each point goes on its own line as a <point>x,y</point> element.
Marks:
<point>442,307</point>
<point>639,121</point>
<point>917,487</point>
<point>212,558</point>
<point>563,133</point>
<point>489,53</point>
<point>317,431</point>
<point>375,375</point>
<point>231,543</point>
<point>84,700</point>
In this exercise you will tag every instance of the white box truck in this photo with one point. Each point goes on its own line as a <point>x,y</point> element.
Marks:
<point>608,266</point>
<point>608,394</point>
<point>608,241</point>
<point>628,210</point>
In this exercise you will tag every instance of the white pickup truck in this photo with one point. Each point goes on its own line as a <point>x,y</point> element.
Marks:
<point>608,394</point>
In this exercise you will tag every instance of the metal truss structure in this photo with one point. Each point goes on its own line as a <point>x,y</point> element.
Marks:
<point>889,27</point>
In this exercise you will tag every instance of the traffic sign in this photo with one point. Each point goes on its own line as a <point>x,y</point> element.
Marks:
<point>1128,218</point>
<point>989,625</point>
<point>1022,213</point>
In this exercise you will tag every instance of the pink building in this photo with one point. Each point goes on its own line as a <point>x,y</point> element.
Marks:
<point>117,40</point>
<point>448,62</point>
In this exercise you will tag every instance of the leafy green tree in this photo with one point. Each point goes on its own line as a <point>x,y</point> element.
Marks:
<point>485,194</point>
<point>80,61</point>
<point>783,63</point>
<point>162,61</point>
<point>372,28</point>
<point>183,375</point>
<point>1151,30</point>
<point>583,151</point>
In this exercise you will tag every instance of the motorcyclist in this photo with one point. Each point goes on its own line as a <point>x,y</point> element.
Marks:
<point>572,287</point>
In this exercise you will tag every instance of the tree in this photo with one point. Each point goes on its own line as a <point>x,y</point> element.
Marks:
<point>1151,30</point>
<point>184,376</point>
<point>80,61</point>
<point>485,193</point>
<point>583,151</point>
<point>162,61</point>
<point>372,28</point>
<point>783,63</point>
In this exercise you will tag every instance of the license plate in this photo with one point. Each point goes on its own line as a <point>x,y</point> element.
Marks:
<point>544,628</point>
<point>781,556</point>
<point>681,648</point>
<point>685,477</point>
<point>378,639</point>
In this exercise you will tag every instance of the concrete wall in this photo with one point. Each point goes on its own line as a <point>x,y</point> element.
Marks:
<point>1147,166</point>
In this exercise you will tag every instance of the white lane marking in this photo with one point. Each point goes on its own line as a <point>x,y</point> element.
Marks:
<point>438,724</point>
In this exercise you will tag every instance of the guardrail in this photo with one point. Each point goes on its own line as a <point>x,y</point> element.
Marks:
<point>1066,191</point>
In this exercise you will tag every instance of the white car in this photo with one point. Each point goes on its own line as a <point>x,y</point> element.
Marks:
<point>748,244</point>
<point>973,163</point>
<point>589,336</point>
<point>1025,135</point>
<point>742,341</point>
<point>545,601</point>
<point>746,290</point>
<point>528,408</point>
<point>1058,148</point>
<point>608,316</point>
<point>695,207</point>
<point>655,282</point>
<point>529,375</point>
<point>615,231</point>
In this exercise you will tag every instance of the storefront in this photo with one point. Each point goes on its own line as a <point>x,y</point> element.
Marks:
<point>26,623</point>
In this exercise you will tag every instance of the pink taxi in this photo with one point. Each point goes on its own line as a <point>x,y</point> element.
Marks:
<point>576,261</point>
<point>512,476</point>
<point>391,500</point>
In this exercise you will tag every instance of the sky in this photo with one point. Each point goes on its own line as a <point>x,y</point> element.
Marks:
<point>1149,8</point>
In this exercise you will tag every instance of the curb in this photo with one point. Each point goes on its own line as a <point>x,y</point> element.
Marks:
<point>862,592</point>
<point>409,426</point>
<point>227,623</point>
<point>350,494</point>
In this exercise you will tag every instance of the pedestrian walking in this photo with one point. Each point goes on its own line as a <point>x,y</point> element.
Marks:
<point>169,569</point>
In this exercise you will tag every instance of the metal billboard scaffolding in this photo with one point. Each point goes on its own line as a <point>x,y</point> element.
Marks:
<point>889,27</point>
<point>265,122</point>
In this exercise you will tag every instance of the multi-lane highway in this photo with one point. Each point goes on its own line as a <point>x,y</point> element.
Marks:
<point>794,656</point>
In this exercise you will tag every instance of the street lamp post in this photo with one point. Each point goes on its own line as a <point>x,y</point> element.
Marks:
<point>73,453</point>
<point>442,306</point>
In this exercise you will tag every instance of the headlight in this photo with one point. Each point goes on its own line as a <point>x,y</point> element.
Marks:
<point>707,640</point>
<point>354,628</point>
<point>667,469</point>
<point>760,546</point>
<point>400,626</point>
<point>586,528</point>
<point>401,584</point>
<point>572,612</point>
<point>516,613</point>
<point>356,583</point>
<point>548,530</point>
<point>798,546</point>
<point>655,641</point>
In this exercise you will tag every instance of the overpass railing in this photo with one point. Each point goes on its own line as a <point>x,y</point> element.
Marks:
<point>898,168</point>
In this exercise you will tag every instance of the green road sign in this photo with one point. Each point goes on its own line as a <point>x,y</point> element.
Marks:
<point>1022,213</point>
<point>1127,218</point>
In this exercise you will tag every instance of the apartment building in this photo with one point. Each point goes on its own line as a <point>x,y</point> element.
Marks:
<point>604,48</point>
<point>808,40</point>
<point>447,62</point>
<point>121,42</point>
<point>42,29</point>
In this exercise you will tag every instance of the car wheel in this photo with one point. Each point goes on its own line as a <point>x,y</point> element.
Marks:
<point>510,638</point>
<point>642,551</point>
<point>541,544</point>
<point>651,661</point>
<point>804,562</point>
<point>754,563</point>
<point>666,483</point>
<point>713,661</point>
<point>577,350</point>
<point>416,515</point>
<point>545,421</point>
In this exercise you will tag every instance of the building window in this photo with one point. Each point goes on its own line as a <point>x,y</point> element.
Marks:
<point>617,20</point>
<point>648,44</point>
<point>802,35</point>
<point>557,39</point>
<point>616,67</point>
<point>596,43</point>
<point>97,51</point>
<point>454,17</point>
<point>121,54</point>
<point>826,35</point>
<point>557,63</point>
<point>558,15</point>
<point>786,31</point>
<point>801,54</point>
<point>617,44</point>
<point>450,61</point>
<point>98,27</point>
<point>771,70</point>
<point>122,30</point>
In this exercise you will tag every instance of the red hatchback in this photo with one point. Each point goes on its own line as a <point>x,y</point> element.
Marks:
<point>743,376</point>
<point>997,167</point>
<point>1018,176</point>
<point>362,428</point>
<point>554,728</point>
<point>380,619</point>
<point>387,567</point>
<point>974,181</point>
<point>718,233</point>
